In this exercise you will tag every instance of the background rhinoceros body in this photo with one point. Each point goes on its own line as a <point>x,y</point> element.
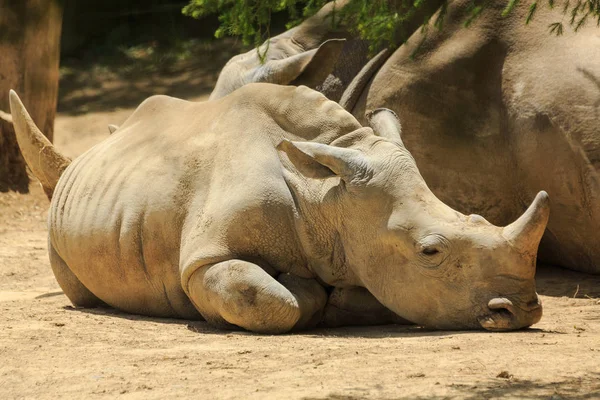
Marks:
<point>494,113</point>
<point>210,209</point>
<point>500,110</point>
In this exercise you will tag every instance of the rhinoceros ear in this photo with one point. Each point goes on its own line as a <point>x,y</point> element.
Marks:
<point>309,68</point>
<point>385,123</point>
<point>317,160</point>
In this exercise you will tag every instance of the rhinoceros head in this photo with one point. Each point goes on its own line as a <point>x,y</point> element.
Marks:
<point>284,61</point>
<point>420,258</point>
<point>304,55</point>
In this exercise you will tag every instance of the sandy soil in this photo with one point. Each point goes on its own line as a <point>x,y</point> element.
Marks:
<point>50,350</point>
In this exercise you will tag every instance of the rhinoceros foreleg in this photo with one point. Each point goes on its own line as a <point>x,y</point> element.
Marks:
<point>240,293</point>
<point>79,295</point>
<point>357,306</point>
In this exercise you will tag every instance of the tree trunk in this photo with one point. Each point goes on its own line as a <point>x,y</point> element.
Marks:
<point>29,58</point>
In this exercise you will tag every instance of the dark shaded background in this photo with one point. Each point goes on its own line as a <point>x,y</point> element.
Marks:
<point>98,26</point>
<point>94,26</point>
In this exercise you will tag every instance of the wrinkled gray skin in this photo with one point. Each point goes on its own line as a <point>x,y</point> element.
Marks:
<point>494,113</point>
<point>272,209</point>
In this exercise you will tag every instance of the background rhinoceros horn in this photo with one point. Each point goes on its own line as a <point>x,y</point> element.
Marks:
<point>526,232</point>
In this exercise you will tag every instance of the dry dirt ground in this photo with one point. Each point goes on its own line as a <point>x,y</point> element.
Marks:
<point>50,350</point>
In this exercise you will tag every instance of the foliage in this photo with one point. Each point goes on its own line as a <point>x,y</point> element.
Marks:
<point>377,21</point>
<point>579,12</point>
<point>374,20</point>
<point>250,19</point>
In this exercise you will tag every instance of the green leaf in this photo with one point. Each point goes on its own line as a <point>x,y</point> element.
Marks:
<point>509,7</point>
<point>581,22</point>
<point>556,28</point>
<point>531,12</point>
<point>439,22</point>
<point>475,12</point>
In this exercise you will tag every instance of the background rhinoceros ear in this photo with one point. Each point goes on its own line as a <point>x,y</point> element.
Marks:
<point>318,160</point>
<point>309,68</point>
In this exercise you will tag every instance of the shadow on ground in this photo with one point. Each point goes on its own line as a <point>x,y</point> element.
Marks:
<point>559,282</point>
<point>124,79</point>
<point>551,281</point>
<point>363,332</point>
<point>559,389</point>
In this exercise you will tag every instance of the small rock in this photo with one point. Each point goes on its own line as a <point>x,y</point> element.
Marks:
<point>504,375</point>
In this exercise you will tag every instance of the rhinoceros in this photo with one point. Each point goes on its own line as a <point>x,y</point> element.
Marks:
<point>493,113</point>
<point>272,209</point>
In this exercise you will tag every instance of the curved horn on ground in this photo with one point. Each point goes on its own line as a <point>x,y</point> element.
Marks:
<point>526,232</point>
<point>385,123</point>
<point>46,163</point>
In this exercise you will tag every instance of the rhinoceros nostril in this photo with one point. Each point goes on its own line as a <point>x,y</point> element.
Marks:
<point>533,305</point>
<point>501,305</point>
<point>504,315</point>
<point>501,316</point>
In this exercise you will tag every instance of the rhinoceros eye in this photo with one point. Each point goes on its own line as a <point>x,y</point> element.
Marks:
<point>433,250</point>
<point>430,251</point>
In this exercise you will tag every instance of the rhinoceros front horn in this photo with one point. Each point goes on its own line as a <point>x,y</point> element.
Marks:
<point>526,232</point>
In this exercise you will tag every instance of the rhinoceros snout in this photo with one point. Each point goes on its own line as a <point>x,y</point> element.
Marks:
<point>503,315</point>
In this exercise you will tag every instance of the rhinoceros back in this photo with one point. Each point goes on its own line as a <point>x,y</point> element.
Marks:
<point>117,214</point>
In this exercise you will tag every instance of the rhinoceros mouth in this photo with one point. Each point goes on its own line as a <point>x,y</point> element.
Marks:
<point>503,315</point>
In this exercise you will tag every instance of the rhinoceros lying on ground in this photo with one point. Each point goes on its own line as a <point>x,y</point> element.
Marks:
<point>494,113</point>
<point>250,209</point>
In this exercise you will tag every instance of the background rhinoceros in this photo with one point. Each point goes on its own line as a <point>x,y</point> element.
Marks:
<point>249,210</point>
<point>494,113</point>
